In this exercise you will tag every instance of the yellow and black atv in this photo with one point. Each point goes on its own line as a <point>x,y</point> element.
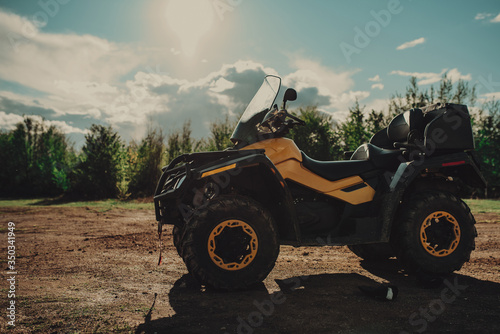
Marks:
<point>396,196</point>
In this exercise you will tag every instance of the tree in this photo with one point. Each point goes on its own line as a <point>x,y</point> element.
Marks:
<point>100,169</point>
<point>146,163</point>
<point>36,160</point>
<point>353,132</point>
<point>447,92</point>
<point>414,97</point>
<point>375,122</point>
<point>315,138</point>
<point>445,89</point>
<point>220,135</point>
<point>179,142</point>
<point>487,139</point>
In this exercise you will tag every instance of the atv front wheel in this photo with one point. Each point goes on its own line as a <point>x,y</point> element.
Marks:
<point>373,252</point>
<point>230,244</point>
<point>434,233</point>
<point>177,235</point>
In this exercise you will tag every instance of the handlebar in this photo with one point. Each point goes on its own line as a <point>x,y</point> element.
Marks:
<point>278,124</point>
<point>295,118</point>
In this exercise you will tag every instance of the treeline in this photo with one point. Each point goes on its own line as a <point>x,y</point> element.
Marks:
<point>38,160</point>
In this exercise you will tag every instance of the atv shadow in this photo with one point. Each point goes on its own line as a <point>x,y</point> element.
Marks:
<point>389,270</point>
<point>392,271</point>
<point>329,303</point>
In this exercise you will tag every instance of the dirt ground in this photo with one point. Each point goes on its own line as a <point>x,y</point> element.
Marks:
<point>80,270</point>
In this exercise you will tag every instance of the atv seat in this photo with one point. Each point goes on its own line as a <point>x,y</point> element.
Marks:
<point>381,158</point>
<point>336,170</point>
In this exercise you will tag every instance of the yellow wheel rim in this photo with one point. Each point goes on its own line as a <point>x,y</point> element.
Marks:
<point>440,234</point>
<point>232,245</point>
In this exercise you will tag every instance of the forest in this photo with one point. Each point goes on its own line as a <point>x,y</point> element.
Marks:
<point>39,161</point>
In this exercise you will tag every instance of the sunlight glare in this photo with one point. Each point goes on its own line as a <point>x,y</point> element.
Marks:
<point>190,20</point>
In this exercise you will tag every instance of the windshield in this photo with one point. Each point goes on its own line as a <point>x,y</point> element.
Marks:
<point>246,129</point>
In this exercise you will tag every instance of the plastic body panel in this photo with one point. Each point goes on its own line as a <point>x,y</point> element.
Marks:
<point>287,158</point>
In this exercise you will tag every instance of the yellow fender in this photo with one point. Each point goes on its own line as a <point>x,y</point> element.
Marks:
<point>286,156</point>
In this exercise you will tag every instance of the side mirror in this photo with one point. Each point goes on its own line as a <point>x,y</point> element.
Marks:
<point>290,95</point>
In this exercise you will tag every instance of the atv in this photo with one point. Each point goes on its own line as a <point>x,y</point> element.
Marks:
<point>397,195</point>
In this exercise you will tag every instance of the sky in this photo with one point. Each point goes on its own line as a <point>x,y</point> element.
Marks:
<point>133,64</point>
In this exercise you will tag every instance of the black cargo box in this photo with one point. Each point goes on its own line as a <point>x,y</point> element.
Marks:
<point>447,127</point>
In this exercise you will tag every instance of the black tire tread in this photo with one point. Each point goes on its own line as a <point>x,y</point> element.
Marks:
<point>401,236</point>
<point>187,242</point>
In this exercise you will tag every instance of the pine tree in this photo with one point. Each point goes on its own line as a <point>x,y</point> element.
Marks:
<point>99,173</point>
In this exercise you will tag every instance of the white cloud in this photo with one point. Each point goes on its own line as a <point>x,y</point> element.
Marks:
<point>80,80</point>
<point>320,85</point>
<point>166,100</point>
<point>169,101</point>
<point>344,101</point>
<point>375,78</point>
<point>455,75</point>
<point>65,127</point>
<point>377,105</point>
<point>482,16</point>
<point>490,96</point>
<point>221,85</point>
<point>311,73</point>
<point>378,86</point>
<point>496,19</point>
<point>228,90</point>
<point>8,121</point>
<point>39,60</point>
<point>427,78</point>
<point>411,44</point>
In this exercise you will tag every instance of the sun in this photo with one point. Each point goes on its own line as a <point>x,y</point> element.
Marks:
<point>190,20</point>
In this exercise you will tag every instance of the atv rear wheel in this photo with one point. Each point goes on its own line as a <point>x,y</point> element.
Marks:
<point>434,233</point>
<point>373,252</point>
<point>230,244</point>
